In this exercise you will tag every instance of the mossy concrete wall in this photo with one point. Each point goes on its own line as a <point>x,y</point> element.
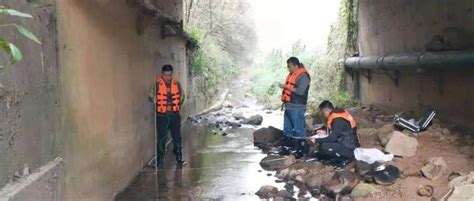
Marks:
<point>83,94</point>
<point>404,26</point>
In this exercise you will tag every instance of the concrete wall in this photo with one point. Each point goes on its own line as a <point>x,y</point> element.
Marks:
<point>405,26</point>
<point>82,95</point>
<point>29,101</point>
<point>106,71</point>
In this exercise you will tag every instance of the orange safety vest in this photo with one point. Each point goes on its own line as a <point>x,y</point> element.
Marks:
<point>291,84</point>
<point>162,96</point>
<point>346,116</point>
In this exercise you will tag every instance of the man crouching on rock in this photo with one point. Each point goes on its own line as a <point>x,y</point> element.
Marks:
<point>342,138</point>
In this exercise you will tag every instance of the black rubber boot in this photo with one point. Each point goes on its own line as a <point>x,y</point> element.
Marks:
<point>285,149</point>
<point>298,148</point>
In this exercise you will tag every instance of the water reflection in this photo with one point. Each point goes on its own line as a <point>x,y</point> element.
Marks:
<point>219,168</point>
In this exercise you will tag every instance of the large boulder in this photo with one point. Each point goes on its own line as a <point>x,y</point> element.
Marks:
<point>315,178</point>
<point>364,189</point>
<point>253,120</point>
<point>276,162</point>
<point>462,192</point>
<point>401,145</point>
<point>341,183</point>
<point>267,192</point>
<point>435,168</point>
<point>367,132</point>
<point>264,136</point>
<point>462,180</point>
<point>384,134</point>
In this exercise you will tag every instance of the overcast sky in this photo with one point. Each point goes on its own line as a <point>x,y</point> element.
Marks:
<point>280,23</point>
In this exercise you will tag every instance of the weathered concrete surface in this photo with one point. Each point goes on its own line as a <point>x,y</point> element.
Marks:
<point>29,101</point>
<point>106,71</point>
<point>45,184</point>
<point>391,27</point>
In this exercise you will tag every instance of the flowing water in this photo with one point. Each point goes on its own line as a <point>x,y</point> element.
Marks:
<point>219,167</point>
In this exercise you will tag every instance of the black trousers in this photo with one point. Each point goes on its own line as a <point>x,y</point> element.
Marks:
<point>170,122</point>
<point>336,150</point>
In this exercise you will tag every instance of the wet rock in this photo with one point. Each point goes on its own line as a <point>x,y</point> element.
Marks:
<point>233,124</point>
<point>264,136</point>
<point>401,145</point>
<point>316,178</point>
<point>462,192</point>
<point>462,180</point>
<point>294,173</point>
<point>285,194</point>
<point>238,116</point>
<point>425,191</point>
<point>283,174</point>
<point>267,192</point>
<point>364,189</point>
<point>253,120</point>
<point>341,183</point>
<point>276,162</point>
<point>269,174</point>
<point>367,132</point>
<point>278,199</point>
<point>300,179</point>
<point>384,134</point>
<point>435,168</point>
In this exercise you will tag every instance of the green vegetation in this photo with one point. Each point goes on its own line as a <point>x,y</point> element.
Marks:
<point>212,64</point>
<point>224,31</point>
<point>326,68</point>
<point>8,47</point>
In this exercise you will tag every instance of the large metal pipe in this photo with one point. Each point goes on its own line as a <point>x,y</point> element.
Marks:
<point>447,60</point>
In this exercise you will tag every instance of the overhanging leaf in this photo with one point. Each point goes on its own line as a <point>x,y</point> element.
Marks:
<point>4,46</point>
<point>27,33</point>
<point>13,12</point>
<point>15,52</point>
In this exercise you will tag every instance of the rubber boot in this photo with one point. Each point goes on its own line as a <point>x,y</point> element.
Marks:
<point>298,148</point>
<point>285,149</point>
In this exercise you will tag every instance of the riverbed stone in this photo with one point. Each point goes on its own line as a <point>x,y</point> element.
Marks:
<point>264,136</point>
<point>276,162</point>
<point>401,145</point>
<point>267,192</point>
<point>253,120</point>
<point>384,134</point>
<point>435,168</point>
<point>341,183</point>
<point>462,192</point>
<point>238,116</point>
<point>233,124</point>
<point>316,178</point>
<point>462,180</point>
<point>364,189</point>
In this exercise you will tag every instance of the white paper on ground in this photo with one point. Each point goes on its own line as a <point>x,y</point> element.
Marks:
<point>371,155</point>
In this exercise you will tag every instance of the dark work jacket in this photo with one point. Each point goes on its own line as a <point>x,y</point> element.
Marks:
<point>342,133</point>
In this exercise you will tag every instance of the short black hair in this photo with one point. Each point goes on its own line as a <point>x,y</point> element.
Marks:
<point>326,104</point>
<point>167,68</point>
<point>294,61</point>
